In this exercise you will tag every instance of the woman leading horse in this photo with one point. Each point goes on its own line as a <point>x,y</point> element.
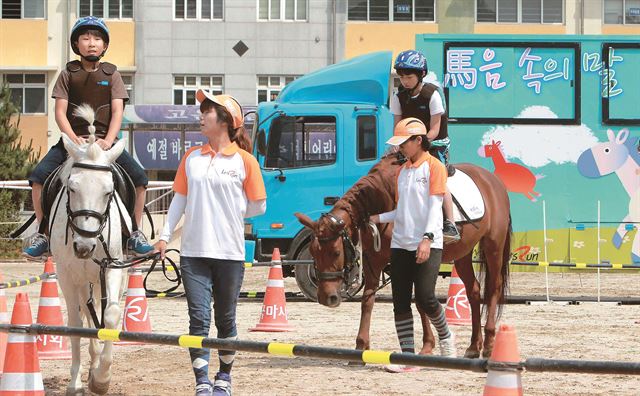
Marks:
<point>375,193</point>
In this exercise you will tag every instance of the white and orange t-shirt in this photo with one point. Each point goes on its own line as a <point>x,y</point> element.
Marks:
<point>415,212</point>
<point>218,188</point>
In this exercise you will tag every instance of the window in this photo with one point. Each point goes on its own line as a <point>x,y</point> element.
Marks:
<point>28,92</point>
<point>282,10</point>
<point>127,79</point>
<point>199,9</point>
<point>18,9</point>
<point>622,11</point>
<point>519,11</point>
<point>391,10</point>
<point>540,74</point>
<point>367,137</point>
<point>270,86</point>
<point>185,87</point>
<point>109,9</point>
<point>296,142</point>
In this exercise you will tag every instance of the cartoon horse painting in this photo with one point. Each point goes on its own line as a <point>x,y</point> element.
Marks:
<point>515,177</point>
<point>620,155</point>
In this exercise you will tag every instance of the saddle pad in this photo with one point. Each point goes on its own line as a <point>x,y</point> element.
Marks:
<point>467,194</point>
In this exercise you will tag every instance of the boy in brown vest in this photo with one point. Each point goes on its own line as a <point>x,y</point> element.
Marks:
<point>100,85</point>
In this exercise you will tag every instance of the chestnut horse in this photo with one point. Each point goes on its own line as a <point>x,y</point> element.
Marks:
<point>336,233</point>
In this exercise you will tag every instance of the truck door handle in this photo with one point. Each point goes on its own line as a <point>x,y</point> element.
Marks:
<point>330,201</point>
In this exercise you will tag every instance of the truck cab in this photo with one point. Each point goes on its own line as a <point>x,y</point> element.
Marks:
<point>323,132</point>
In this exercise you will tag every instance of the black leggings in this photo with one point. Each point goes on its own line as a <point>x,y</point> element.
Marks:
<point>405,273</point>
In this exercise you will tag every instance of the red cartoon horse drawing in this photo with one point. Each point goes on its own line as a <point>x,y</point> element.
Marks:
<point>515,177</point>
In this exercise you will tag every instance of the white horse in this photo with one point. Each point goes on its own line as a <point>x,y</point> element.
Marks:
<point>83,211</point>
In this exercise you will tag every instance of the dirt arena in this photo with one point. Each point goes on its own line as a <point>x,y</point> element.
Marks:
<point>586,331</point>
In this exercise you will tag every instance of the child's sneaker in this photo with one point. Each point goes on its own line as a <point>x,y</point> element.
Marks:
<point>204,389</point>
<point>138,244</point>
<point>39,247</point>
<point>450,232</point>
<point>222,384</point>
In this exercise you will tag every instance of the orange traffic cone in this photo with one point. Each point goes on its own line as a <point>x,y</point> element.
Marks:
<point>458,310</point>
<point>136,311</point>
<point>506,381</point>
<point>50,313</point>
<point>274,311</point>
<point>4,319</point>
<point>21,365</point>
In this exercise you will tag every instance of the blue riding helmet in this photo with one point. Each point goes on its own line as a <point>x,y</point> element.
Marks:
<point>411,60</point>
<point>84,24</point>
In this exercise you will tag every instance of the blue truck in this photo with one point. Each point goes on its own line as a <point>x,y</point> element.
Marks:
<point>323,132</point>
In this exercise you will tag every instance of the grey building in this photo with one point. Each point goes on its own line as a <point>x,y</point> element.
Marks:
<point>246,48</point>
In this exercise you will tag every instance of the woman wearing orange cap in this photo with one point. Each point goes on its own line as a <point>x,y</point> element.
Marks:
<point>416,244</point>
<point>217,185</point>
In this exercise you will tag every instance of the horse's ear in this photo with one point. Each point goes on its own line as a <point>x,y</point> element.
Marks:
<point>71,147</point>
<point>499,142</point>
<point>622,136</point>
<point>305,220</point>
<point>114,152</point>
<point>611,135</point>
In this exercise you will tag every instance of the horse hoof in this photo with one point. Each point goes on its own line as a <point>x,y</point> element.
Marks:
<point>99,388</point>
<point>486,353</point>
<point>470,354</point>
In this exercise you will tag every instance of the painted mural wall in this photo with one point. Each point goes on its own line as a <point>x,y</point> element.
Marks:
<point>557,119</point>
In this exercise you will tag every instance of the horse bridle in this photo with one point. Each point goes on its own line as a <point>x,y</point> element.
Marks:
<point>101,217</point>
<point>350,255</point>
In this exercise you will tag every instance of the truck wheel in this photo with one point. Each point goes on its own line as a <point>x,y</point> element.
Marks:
<point>306,274</point>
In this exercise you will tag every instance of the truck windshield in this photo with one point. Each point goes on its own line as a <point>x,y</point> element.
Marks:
<point>301,141</point>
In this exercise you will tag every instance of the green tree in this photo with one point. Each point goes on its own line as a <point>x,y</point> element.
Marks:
<point>16,162</point>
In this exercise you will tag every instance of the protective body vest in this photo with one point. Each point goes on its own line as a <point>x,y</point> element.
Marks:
<point>93,88</point>
<point>418,107</point>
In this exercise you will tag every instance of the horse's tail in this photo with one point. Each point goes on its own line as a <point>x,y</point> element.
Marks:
<point>504,271</point>
<point>86,112</point>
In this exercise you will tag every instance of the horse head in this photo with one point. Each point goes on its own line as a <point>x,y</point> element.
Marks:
<point>490,150</point>
<point>332,250</point>
<point>89,188</point>
<point>605,158</point>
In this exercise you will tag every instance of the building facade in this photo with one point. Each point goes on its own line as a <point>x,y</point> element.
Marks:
<point>165,49</point>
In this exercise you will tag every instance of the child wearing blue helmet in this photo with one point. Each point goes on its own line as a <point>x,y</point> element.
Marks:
<point>99,85</point>
<point>423,100</point>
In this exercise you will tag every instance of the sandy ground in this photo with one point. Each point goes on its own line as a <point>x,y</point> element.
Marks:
<point>586,331</point>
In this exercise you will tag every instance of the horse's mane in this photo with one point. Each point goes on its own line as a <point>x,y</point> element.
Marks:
<point>91,149</point>
<point>374,193</point>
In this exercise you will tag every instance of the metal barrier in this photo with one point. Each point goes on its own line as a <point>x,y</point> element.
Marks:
<point>28,281</point>
<point>352,355</point>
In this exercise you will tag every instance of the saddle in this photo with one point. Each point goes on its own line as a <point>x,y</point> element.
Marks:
<point>123,185</point>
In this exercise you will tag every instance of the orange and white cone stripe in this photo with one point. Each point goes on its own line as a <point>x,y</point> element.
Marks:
<point>50,313</point>
<point>136,310</point>
<point>273,316</point>
<point>21,366</point>
<point>4,319</point>
<point>505,381</point>
<point>458,309</point>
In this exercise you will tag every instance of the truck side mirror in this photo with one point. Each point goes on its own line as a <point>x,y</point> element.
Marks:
<point>262,143</point>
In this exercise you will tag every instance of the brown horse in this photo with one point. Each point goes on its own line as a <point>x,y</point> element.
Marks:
<point>336,232</point>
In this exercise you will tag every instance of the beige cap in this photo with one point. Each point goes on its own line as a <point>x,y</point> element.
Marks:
<point>405,129</point>
<point>229,102</point>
